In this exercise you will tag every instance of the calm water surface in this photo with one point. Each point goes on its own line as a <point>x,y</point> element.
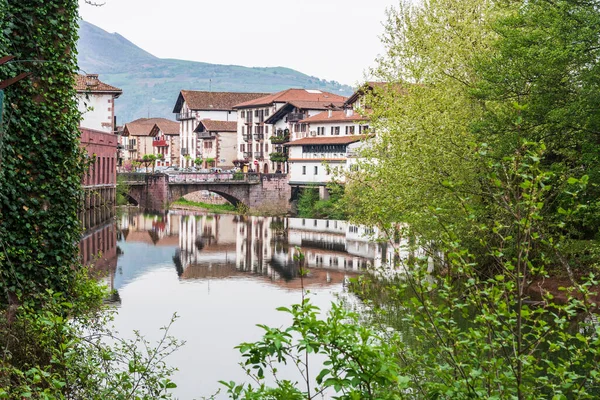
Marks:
<point>222,274</point>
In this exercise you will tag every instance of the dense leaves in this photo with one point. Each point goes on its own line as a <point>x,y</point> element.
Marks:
<point>40,175</point>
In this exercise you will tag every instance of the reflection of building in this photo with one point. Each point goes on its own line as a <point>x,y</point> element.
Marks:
<point>98,249</point>
<point>159,229</point>
<point>223,246</point>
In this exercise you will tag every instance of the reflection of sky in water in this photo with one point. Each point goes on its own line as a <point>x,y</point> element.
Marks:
<point>216,314</point>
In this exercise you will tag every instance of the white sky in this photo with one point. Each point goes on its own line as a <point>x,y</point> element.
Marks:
<point>331,39</point>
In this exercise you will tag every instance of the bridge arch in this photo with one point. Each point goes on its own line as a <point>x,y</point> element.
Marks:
<point>227,196</point>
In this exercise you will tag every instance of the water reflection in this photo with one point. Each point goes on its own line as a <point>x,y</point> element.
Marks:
<point>222,274</point>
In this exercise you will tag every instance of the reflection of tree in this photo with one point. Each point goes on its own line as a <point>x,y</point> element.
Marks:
<point>154,236</point>
<point>119,251</point>
<point>288,270</point>
<point>125,233</point>
<point>199,243</point>
<point>178,263</point>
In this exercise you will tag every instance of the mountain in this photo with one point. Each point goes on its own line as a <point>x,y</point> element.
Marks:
<point>151,84</point>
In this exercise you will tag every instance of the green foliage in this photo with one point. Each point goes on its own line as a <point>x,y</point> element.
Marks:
<point>198,160</point>
<point>278,157</point>
<point>238,176</point>
<point>309,205</point>
<point>227,207</point>
<point>359,362</point>
<point>69,350</point>
<point>41,164</point>
<point>472,335</point>
<point>122,191</point>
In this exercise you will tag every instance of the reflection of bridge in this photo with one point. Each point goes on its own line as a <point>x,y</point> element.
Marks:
<point>156,191</point>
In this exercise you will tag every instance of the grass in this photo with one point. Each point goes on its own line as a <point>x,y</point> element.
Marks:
<point>227,207</point>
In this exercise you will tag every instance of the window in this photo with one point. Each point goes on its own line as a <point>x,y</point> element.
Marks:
<point>266,112</point>
<point>350,130</point>
<point>243,130</point>
<point>208,144</point>
<point>267,129</point>
<point>243,114</point>
<point>256,113</point>
<point>363,128</point>
<point>335,130</point>
<point>242,148</point>
<point>303,127</point>
<point>304,170</point>
<point>316,170</point>
<point>321,131</point>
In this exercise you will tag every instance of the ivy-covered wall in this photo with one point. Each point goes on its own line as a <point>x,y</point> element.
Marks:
<point>40,170</point>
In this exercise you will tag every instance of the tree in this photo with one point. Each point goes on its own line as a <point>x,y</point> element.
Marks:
<point>149,159</point>
<point>41,171</point>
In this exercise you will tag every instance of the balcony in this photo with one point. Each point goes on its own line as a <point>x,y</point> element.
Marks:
<point>185,151</point>
<point>160,143</point>
<point>185,115</point>
<point>295,117</point>
<point>206,135</point>
<point>247,154</point>
<point>278,139</point>
<point>259,136</point>
<point>259,155</point>
<point>247,138</point>
<point>131,147</point>
<point>248,120</point>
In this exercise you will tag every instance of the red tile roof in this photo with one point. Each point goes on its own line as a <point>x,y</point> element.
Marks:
<point>144,126</point>
<point>371,86</point>
<point>91,83</point>
<point>219,126</point>
<point>336,116</point>
<point>166,126</point>
<point>216,101</point>
<point>315,97</point>
<point>327,140</point>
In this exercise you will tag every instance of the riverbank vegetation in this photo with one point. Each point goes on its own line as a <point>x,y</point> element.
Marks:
<point>483,180</point>
<point>311,206</point>
<point>55,331</point>
<point>217,208</point>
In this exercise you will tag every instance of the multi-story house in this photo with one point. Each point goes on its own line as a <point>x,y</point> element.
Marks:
<point>192,106</point>
<point>165,140</point>
<point>96,103</point>
<point>139,136</point>
<point>219,142</point>
<point>331,141</point>
<point>264,124</point>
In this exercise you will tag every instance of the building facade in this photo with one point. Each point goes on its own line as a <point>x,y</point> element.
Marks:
<point>266,123</point>
<point>146,136</point>
<point>192,106</point>
<point>96,102</point>
<point>219,140</point>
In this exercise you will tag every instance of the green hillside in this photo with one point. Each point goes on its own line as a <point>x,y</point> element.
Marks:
<point>151,85</point>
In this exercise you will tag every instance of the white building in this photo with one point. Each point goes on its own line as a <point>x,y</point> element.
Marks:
<point>96,102</point>
<point>264,124</point>
<point>219,143</point>
<point>192,106</point>
<point>165,141</point>
<point>328,144</point>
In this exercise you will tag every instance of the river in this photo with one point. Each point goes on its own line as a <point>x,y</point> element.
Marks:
<point>222,274</point>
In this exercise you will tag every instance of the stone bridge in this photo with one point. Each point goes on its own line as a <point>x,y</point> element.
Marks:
<point>259,192</point>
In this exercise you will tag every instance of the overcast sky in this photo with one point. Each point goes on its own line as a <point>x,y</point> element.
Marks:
<point>331,39</point>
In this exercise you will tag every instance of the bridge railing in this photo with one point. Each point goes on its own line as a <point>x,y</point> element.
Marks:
<point>132,177</point>
<point>192,177</point>
<point>195,177</point>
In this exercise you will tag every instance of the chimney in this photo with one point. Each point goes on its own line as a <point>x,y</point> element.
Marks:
<point>329,113</point>
<point>91,79</point>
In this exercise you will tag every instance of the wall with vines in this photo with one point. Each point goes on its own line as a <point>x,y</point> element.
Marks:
<point>40,159</point>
